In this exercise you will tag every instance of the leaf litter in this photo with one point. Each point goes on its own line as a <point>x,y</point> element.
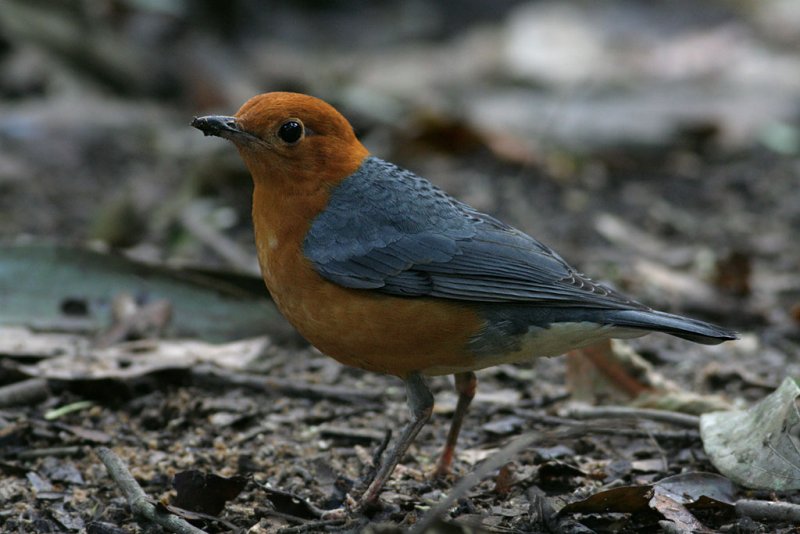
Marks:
<point>703,194</point>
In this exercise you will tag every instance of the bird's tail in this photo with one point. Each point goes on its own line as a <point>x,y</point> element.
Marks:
<point>683,327</point>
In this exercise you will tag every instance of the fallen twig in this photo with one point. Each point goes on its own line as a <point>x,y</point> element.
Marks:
<point>222,245</point>
<point>778,512</point>
<point>26,392</point>
<point>621,368</point>
<point>310,526</point>
<point>189,515</point>
<point>687,436</point>
<point>625,412</point>
<point>593,428</point>
<point>70,450</point>
<point>378,454</point>
<point>141,505</point>
<point>208,375</point>
<point>375,461</point>
<point>493,462</point>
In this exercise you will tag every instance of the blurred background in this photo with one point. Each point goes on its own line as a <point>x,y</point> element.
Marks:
<point>655,144</point>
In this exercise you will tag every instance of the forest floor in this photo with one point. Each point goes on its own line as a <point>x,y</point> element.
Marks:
<point>698,216</point>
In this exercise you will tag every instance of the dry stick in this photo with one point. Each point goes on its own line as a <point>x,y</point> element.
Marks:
<point>69,450</point>
<point>137,499</point>
<point>217,241</point>
<point>688,436</point>
<point>209,375</point>
<point>661,453</point>
<point>624,412</point>
<point>311,526</point>
<point>679,435</point>
<point>778,512</point>
<point>378,454</point>
<point>372,468</point>
<point>25,392</point>
<point>495,461</point>
<point>606,364</point>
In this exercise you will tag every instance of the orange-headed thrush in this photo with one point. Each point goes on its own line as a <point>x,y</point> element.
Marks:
<point>382,270</point>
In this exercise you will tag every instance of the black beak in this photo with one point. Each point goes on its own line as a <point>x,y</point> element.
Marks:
<point>218,125</point>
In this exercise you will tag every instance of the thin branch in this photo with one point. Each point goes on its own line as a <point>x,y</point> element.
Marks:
<point>207,375</point>
<point>141,505</point>
<point>625,412</point>
<point>495,461</point>
<point>26,392</point>
<point>593,428</point>
<point>217,241</point>
<point>70,450</point>
<point>372,468</point>
<point>778,512</point>
<point>311,526</point>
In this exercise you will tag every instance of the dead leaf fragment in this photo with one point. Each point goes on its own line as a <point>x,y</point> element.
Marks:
<point>759,447</point>
<point>69,520</point>
<point>61,471</point>
<point>87,434</point>
<point>555,473</point>
<point>667,505</point>
<point>505,426</point>
<point>504,481</point>
<point>675,497</point>
<point>291,504</point>
<point>696,488</point>
<point>733,274</point>
<point>624,499</point>
<point>205,493</point>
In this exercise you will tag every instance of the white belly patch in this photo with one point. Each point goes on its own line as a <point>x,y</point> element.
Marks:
<point>537,342</point>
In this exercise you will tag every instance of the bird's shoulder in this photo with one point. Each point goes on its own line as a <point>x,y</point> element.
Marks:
<point>378,205</point>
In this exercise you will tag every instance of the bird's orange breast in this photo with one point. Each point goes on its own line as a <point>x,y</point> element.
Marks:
<point>360,328</point>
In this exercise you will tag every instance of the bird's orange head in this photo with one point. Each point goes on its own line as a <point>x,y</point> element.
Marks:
<point>290,140</point>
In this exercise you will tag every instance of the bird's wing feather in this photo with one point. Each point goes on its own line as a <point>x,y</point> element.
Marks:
<point>389,230</point>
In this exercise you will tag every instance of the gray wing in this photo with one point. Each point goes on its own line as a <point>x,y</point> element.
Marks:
<point>389,230</point>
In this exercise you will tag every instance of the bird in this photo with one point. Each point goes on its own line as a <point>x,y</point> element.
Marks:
<point>382,270</point>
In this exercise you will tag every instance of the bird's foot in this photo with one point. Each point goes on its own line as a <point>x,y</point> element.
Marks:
<point>442,470</point>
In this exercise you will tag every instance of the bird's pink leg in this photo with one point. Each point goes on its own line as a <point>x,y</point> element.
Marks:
<point>466,384</point>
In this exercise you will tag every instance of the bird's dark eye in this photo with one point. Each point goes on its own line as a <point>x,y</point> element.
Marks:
<point>291,131</point>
